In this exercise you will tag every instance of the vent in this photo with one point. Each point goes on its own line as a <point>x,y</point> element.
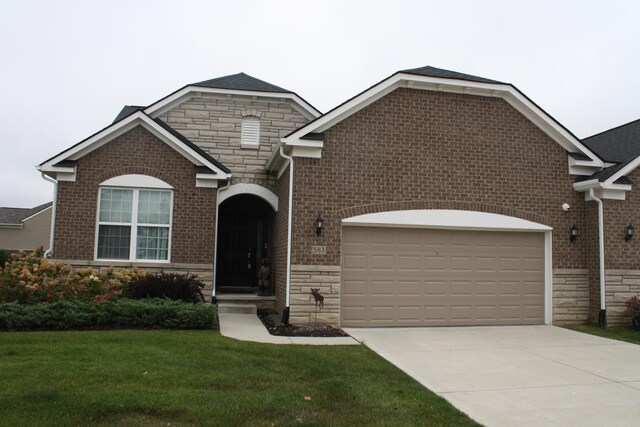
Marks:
<point>250,132</point>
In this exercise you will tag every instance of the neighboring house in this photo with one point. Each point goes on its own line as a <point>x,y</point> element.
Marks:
<point>25,228</point>
<point>431,198</point>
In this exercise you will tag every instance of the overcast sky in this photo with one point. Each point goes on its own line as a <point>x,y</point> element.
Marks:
<point>67,67</point>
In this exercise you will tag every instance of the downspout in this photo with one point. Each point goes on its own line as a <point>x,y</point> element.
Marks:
<point>285,313</point>
<point>602,315</point>
<point>48,252</point>
<point>215,255</point>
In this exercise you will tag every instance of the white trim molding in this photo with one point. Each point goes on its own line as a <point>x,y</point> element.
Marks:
<point>136,181</point>
<point>509,93</point>
<point>254,189</point>
<point>446,219</point>
<point>187,92</point>
<point>119,128</point>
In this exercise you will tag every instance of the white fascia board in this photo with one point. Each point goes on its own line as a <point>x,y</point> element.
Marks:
<point>507,92</point>
<point>178,97</point>
<point>121,127</point>
<point>624,171</point>
<point>37,213</point>
<point>360,101</point>
<point>445,219</point>
<point>585,185</point>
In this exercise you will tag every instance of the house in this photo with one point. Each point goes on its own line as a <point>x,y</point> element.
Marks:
<point>431,198</point>
<point>25,228</point>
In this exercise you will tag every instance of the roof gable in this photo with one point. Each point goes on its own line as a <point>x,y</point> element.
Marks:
<point>62,166</point>
<point>15,216</point>
<point>434,79</point>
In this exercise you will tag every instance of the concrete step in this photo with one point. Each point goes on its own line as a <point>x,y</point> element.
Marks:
<point>247,299</point>
<point>237,308</point>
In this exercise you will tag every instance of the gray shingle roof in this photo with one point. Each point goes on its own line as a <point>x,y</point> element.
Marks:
<point>446,74</point>
<point>16,215</point>
<point>620,144</point>
<point>126,111</point>
<point>241,81</point>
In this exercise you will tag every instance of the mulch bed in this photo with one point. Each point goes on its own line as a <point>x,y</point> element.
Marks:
<point>273,324</point>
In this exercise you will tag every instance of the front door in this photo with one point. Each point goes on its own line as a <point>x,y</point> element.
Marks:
<point>243,236</point>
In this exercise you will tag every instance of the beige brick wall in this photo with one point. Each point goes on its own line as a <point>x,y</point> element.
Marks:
<point>203,271</point>
<point>620,286</point>
<point>570,296</point>
<point>303,306</point>
<point>214,123</point>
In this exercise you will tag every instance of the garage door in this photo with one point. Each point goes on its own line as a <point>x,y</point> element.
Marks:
<point>431,277</point>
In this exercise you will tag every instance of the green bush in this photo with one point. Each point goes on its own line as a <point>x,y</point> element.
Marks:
<point>179,287</point>
<point>122,313</point>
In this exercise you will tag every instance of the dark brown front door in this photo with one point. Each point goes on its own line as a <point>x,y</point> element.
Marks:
<point>243,236</point>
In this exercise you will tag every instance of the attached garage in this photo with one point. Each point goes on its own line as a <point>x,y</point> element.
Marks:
<point>442,268</point>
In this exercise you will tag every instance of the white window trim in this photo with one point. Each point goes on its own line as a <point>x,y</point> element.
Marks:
<point>134,227</point>
<point>251,145</point>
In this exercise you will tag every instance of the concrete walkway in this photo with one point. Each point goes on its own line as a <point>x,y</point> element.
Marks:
<point>247,327</point>
<point>519,375</point>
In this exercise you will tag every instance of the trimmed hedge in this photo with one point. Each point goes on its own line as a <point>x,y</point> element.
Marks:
<point>123,313</point>
<point>179,287</point>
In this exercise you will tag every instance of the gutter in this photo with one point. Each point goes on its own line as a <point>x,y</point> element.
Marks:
<point>48,252</point>
<point>215,255</point>
<point>285,313</point>
<point>602,315</point>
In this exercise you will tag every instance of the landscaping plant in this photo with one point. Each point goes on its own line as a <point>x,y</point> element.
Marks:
<point>633,310</point>
<point>28,278</point>
<point>180,287</point>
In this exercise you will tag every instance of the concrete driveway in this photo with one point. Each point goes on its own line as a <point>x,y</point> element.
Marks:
<point>519,375</point>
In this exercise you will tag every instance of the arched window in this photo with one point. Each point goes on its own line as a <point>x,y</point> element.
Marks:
<point>250,132</point>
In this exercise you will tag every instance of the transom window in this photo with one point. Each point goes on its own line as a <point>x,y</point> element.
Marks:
<point>134,224</point>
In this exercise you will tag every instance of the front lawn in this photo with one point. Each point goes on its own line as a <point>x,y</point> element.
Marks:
<point>618,333</point>
<point>201,378</point>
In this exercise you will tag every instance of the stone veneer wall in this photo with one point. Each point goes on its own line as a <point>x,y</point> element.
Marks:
<point>570,296</point>
<point>203,271</point>
<point>620,286</point>
<point>214,123</point>
<point>303,306</point>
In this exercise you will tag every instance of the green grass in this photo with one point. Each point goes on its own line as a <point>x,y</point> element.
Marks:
<point>201,378</point>
<point>617,333</point>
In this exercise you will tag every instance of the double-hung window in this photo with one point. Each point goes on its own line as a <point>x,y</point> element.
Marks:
<point>134,224</point>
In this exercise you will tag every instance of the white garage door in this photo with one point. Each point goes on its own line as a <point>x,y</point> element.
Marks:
<point>432,277</point>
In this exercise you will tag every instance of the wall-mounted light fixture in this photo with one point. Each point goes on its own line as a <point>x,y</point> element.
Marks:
<point>319,225</point>
<point>630,232</point>
<point>573,233</point>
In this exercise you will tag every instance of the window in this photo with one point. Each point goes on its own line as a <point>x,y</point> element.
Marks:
<point>250,132</point>
<point>134,224</point>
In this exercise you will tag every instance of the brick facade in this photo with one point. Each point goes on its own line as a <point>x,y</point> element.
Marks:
<point>435,150</point>
<point>136,152</point>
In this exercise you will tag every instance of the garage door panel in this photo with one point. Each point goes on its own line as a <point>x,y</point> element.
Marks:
<point>405,277</point>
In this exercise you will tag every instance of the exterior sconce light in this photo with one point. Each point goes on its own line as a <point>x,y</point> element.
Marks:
<point>573,234</point>
<point>629,234</point>
<point>319,224</point>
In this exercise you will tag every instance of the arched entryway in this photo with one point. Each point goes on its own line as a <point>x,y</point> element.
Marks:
<point>245,224</point>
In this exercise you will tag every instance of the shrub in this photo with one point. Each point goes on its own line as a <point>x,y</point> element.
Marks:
<point>30,279</point>
<point>181,287</point>
<point>123,313</point>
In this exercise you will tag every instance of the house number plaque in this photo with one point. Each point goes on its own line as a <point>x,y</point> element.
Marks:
<point>318,250</point>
